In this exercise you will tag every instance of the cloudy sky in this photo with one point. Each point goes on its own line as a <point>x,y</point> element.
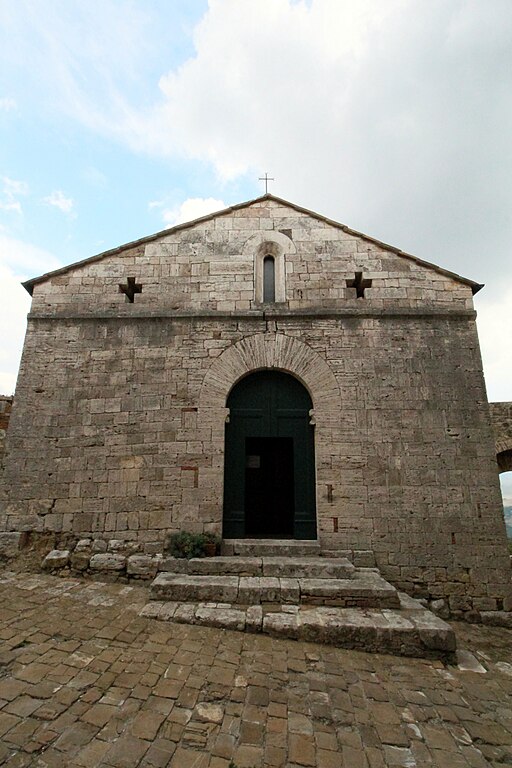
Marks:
<point>121,117</point>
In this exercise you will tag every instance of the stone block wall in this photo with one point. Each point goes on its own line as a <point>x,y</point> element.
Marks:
<point>501,419</point>
<point>211,267</point>
<point>5,413</point>
<point>126,441</point>
<point>118,426</point>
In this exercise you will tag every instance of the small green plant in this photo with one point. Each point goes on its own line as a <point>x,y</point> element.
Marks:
<point>187,545</point>
<point>211,544</point>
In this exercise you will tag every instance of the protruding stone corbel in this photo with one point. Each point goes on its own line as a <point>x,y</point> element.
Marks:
<point>227,416</point>
<point>312,419</point>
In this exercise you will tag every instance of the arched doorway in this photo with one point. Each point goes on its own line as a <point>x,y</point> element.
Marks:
<point>269,471</point>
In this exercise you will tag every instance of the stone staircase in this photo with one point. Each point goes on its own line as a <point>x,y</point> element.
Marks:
<point>288,589</point>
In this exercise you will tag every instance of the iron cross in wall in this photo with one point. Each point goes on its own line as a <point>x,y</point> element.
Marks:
<point>130,289</point>
<point>359,283</point>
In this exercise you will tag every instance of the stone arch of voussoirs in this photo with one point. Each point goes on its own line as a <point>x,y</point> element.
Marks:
<point>270,351</point>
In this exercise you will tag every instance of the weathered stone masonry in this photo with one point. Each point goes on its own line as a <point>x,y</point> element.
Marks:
<point>5,413</point>
<point>501,418</point>
<point>120,410</point>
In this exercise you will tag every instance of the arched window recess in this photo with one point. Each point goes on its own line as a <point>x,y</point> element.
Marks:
<point>269,279</point>
<point>269,268</point>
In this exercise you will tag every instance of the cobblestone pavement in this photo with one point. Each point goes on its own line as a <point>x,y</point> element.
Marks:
<point>85,681</point>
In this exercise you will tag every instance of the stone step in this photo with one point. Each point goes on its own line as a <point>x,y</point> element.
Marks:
<point>270,547</point>
<point>410,630</point>
<point>239,565</point>
<point>366,589</point>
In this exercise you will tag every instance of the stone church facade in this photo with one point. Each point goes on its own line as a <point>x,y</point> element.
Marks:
<point>265,372</point>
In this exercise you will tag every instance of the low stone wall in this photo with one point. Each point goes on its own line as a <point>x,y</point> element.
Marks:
<point>113,559</point>
<point>110,559</point>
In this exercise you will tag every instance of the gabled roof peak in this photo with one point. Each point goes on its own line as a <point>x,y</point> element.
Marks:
<point>29,284</point>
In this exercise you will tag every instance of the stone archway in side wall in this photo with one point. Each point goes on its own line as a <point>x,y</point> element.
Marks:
<point>504,453</point>
<point>501,419</point>
<point>504,458</point>
<point>271,351</point>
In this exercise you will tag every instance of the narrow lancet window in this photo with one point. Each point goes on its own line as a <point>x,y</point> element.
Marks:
<point>269,279</point>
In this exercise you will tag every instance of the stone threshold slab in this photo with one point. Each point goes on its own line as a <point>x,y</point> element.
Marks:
<point>271,547</point>
<point>409,631</point>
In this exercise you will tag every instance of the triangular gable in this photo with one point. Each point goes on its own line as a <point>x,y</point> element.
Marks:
<point>29,284</point>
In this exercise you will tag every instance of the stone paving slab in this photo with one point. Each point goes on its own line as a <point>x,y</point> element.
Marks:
<point>86,682</point>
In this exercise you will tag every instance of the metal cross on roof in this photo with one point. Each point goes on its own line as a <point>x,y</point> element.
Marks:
<point>266,178</point>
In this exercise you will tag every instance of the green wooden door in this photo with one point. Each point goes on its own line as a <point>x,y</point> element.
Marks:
<point>269,474</point>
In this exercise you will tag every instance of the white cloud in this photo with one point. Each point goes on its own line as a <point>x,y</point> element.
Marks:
<point>95,177</point>
<point>18,262</point>
<point>58,200</point>
<point>11,191</point>
<point>24,259</point>
<point>13,309</point>
<point>12,187</point>
<point>80,59</point>
<point>190,209</point>
<point>394,117</point>
<point>7,104</point>
<point>495,333</point>
<point>391,117</point>
<point>253,92</point>
<point>12,206</point>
